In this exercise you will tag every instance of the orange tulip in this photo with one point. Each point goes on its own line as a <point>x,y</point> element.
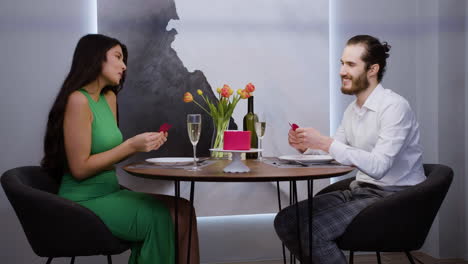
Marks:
<point>188,97</point>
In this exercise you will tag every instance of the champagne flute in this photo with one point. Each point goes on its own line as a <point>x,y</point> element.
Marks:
<point>194,129</point>
<point>260,127</point>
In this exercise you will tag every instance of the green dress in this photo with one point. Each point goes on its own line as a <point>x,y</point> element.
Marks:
<point>131,216</point>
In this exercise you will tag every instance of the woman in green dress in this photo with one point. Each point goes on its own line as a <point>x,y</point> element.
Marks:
<point>83,142</point>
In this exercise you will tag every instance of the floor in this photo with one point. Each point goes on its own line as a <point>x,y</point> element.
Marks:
<point>387,258</point>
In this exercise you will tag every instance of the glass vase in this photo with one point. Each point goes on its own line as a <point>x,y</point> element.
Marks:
<point>217,140</point>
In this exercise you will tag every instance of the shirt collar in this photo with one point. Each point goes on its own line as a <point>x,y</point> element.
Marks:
<point>373,100</point>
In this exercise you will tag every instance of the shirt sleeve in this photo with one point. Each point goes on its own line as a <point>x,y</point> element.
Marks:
<point>340,134</point>
<point>395,125</point>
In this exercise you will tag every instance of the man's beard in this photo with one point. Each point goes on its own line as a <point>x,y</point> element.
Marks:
<point>358,84</point>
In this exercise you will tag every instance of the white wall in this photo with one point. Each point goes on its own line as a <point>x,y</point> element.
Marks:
<point>426,104</point>
<point>37,46</point>
<point>280,47</point>
<point>466,135</point>
<point>37,39</point>
<point>452,119</point>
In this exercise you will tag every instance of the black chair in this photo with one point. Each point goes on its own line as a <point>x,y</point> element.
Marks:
<point>56,227</point>
<point>399,222</point>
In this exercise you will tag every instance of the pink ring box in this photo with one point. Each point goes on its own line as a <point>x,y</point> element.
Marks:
<point>236,140</point>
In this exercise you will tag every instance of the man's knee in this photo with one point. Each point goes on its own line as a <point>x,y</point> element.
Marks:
<point>284,223</point>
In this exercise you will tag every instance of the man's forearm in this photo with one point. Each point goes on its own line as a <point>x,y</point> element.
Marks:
<point>325,143</point>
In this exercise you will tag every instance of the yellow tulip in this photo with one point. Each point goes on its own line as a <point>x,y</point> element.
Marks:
<point>199,92</point>
<point>244,94</point>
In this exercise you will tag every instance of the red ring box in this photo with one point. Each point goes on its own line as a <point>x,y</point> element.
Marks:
<point>236,140</point>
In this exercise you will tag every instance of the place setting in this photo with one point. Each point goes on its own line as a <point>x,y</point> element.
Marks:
<point>186,163</point>
<point>300,160</point>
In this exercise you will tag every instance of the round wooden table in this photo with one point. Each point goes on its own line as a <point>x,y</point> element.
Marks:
<point>259,172</point>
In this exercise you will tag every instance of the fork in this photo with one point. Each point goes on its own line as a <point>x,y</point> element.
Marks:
<point>301,163</point>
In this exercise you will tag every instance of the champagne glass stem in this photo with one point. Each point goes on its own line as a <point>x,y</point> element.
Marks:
<point>195,156</point>
<point>260,157</point>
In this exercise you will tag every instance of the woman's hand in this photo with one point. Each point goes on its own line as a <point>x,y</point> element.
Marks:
<point>148,141</point>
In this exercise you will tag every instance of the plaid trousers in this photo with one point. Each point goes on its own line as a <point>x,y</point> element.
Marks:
<point>332,213</point>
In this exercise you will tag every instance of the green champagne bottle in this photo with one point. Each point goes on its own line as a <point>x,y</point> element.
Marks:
<point>249,125</point>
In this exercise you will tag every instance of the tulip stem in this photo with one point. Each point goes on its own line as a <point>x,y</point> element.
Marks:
<point>202,107</point>
<point>220,126</point>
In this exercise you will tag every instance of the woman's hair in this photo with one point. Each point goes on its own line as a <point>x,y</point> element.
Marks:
<point>89,55</point>
<point>375,52</point>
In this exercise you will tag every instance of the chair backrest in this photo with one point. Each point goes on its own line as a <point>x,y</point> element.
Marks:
<point>400,221</point>
<point>33,177</point>
<point>54,226</point>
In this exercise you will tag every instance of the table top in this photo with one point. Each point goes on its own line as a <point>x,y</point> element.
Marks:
<point>259,172</point>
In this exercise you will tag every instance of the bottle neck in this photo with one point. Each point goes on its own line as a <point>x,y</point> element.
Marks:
<point>250,104</point>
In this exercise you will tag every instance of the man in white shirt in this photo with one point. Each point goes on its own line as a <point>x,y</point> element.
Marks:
<point>379,135</point>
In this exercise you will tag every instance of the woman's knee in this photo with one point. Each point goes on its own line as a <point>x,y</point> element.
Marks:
<point>183,203</point>
<point>184,209</point>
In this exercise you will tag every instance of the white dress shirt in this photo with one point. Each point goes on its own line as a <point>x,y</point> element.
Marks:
<point>381,139</point>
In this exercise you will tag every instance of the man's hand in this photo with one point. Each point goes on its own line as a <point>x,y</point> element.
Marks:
<point>311,138</point>
<point>294,141</point>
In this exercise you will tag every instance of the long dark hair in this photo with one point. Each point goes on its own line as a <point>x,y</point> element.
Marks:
<point>90,53</point>
<point>376,52</point>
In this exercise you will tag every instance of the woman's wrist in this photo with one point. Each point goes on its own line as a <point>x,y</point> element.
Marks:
<point>128,144</point>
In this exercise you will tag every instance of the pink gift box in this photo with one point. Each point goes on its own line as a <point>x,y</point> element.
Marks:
<point>236,140</point>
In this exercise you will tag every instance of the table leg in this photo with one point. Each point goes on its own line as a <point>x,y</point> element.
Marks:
<point>301,255</point>
<point>192,190</point>
<point>176,209</point>
<point>310,202</point>
<point>292,258</point>
<point>279,206</point>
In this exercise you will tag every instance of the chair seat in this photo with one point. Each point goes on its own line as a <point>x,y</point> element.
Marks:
<point>396,223</point>
<point>399,222</point>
